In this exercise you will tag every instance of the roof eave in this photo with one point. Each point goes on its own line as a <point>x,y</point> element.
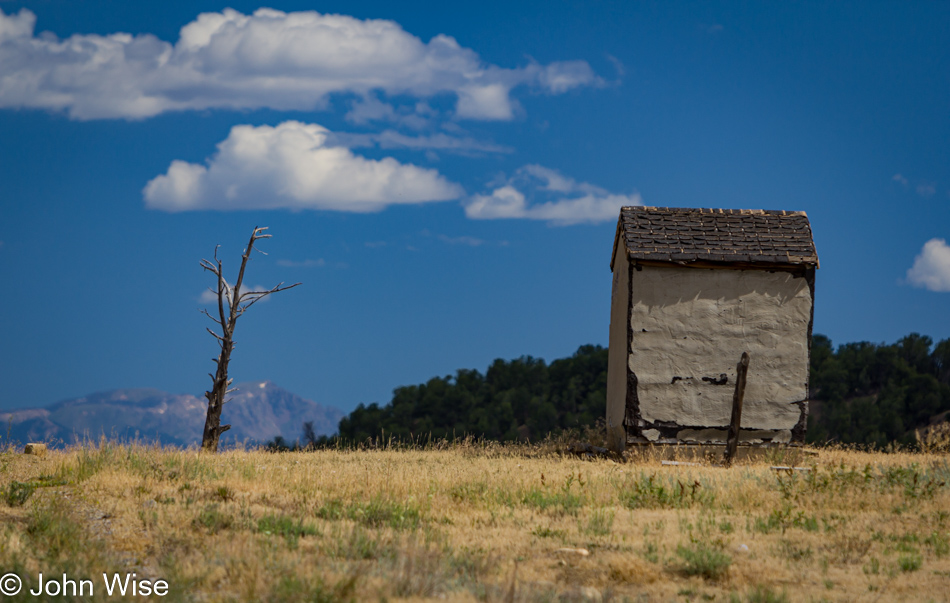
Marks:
<point>613,254</point>
<point>786,266</point>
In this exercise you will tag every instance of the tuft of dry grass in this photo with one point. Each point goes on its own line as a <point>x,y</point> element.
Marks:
<point>934,438</point>
<point>475,521</point>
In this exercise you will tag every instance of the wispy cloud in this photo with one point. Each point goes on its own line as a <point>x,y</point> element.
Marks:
<point>564,201</point>
<point>926,189</point>
<point>462,240</point>
<point>209,296</point>
<point>291,166</point>
<point>618,67</point>
<point>390,139</point>
<point>317,263</point>
<point>931,269</point>
<point>369,108</point>
<point>273,59</point>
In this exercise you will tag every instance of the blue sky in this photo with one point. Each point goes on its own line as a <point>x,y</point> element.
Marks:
<point>443,178</point>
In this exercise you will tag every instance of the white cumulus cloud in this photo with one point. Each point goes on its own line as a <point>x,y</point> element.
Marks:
<point>274,59</point>
<point>931,269</point>
<point>564,201</point>
<point>291,166</point>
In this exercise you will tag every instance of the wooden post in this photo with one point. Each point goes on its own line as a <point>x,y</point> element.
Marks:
<point>732,440</point>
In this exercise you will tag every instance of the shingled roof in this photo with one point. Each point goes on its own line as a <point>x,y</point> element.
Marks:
<point>737,236</point>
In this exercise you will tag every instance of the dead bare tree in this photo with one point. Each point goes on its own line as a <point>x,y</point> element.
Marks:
<point>232,303</point>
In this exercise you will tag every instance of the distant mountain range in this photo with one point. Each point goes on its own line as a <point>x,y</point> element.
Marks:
<point>257,412</point>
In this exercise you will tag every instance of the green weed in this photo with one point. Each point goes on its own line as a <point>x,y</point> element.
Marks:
<point>545,532</point>
<point>648,492</point>
<point>53,530</point>
<point>358,544</point>
<point>91,459</point>
<point>910,562</point>
<point>376,513</point>
<point>291,587</point>
<point>380,512</point>
<point>793,552</point>
<point>471,492</point>
<point>17,493</point>
<point>764,594</point>
<point>939,543</point>
<point>783,519</point>
<point>213,519</point>
<point>286,527</point>
<point>600,523</point>
<point>562,500</point>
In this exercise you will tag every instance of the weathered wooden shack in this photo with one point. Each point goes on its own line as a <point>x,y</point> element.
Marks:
<point>692,290</point>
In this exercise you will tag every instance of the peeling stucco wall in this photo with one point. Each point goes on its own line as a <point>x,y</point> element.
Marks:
<point>691,323</point>
<point>617,352</point>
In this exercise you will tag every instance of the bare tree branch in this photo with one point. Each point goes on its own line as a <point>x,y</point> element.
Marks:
<point>208,314</point>
<point>215,335</point>
<point>262,294</point>
<point>224,322</point>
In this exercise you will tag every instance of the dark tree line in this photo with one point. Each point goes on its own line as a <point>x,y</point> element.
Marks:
<point>874,394</point>
<point>522,399</point>
<point>861,393</point>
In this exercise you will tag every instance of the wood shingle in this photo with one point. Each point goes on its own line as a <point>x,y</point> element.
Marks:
<point>740,236</point>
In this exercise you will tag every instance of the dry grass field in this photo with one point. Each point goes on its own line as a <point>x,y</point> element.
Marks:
<point>474,522</point>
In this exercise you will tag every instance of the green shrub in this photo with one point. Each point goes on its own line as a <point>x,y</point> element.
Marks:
<point>703,560</point>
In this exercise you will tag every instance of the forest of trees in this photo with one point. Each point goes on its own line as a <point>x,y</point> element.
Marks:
<point>874,394</point>
<point>861,393</point>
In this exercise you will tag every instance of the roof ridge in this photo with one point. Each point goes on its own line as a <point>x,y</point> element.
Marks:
<point>716,210</point>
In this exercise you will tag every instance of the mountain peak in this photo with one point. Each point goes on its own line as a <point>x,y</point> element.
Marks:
<point>257,411</point>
